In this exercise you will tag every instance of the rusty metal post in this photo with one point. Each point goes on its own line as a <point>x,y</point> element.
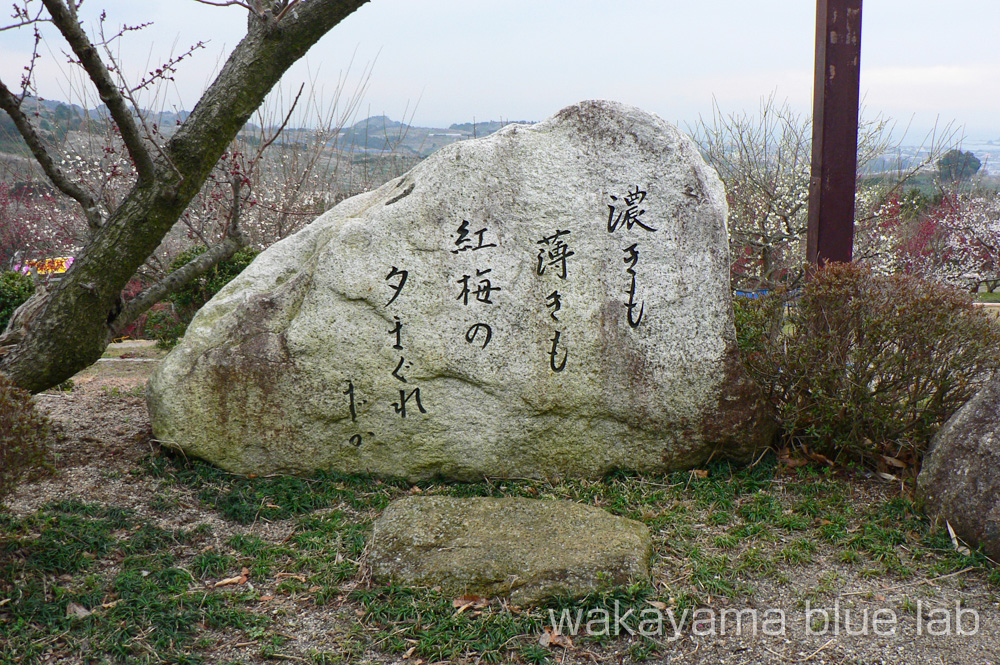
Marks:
<point>835,131</point>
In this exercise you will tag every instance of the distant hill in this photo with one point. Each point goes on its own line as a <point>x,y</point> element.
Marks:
<point>376,135</point>
<point>382,134</point>
<point>54,119</point>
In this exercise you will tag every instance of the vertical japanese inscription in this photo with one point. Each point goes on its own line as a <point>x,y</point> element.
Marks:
<point>350,397</point>
<point>397,287</point>
<point>632,258</point>
<point>624,213</point>
<point>464,244</point>
<point>352,406</point>
<point>553,254</point>
<point>395,279</point>
<point>478,288</point>
<point>396,333</point>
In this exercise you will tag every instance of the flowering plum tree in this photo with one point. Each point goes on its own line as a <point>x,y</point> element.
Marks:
<point>764,161</point>
<point>34,223</point>
<point>66,327</point>
<point>955,240</point>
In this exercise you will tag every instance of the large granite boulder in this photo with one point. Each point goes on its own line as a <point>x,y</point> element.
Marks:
<point>550,300</point>
<point>959,482</point>
<point>528,550</point>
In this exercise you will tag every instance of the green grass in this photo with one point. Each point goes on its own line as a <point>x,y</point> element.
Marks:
<point>147,611</point>
<point>152,595</point>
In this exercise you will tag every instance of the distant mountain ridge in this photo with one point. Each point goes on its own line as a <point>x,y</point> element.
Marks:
<point>382,134</point>
<point>377,134</point>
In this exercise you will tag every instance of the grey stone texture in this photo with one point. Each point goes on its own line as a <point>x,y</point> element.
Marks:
<point>959,482</point>
<point>551,300</point>
<point>528,550</point>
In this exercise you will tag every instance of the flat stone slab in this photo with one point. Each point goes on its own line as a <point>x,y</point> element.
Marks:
<point>525,549</point>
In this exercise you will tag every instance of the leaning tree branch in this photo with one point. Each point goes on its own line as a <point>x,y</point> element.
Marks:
<point>190,271</point>
<point>66,21</point>
<point>10,103</point>
<point>78,317</point>
<point>179,278</point>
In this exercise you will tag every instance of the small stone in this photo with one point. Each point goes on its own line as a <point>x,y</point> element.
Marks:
<point>528,550</point>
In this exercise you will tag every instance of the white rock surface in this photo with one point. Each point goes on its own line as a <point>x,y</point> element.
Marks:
<point>413,330</point>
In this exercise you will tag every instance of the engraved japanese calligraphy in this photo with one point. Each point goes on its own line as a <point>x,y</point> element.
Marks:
<point>548,301</point>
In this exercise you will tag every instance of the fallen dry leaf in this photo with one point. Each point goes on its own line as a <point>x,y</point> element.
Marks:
<point>465,602</point>
<point>699,473</point>
<point>657,604</point>
<point>959,547</point>
<point>817,457</point>
<point>74,611</point>
<point>892,461</point>
<point>241,579</point>
<point>551,638</point>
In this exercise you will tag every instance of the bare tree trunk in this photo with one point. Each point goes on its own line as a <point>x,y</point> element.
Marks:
<point>66,328</point>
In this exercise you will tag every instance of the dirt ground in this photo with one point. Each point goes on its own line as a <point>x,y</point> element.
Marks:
<point>107,437</point>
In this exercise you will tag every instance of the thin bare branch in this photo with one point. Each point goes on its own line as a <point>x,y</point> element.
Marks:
<point>24,22</point>
<point>234,230</point>
<point>228,4</point>
<point>77,39</point>
<point>284,11</point>
<point>284,123</point>
<point>166,70</point>
<point>11,104</point>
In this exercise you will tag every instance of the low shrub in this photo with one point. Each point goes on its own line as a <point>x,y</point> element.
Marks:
<point>163,325</point>
<point>867,365</point>
<point>25,436</point>
<point>757,320</point>
<point>167,324</point>
<point>190,299</point>
<point>15,288</point>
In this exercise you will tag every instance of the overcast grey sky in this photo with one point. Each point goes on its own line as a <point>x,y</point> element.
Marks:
<point>455,60</point>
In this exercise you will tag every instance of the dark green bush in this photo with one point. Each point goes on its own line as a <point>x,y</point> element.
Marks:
<point>190,299</point>
<point>25,435</point>
<point>757,321</point>
<point>163,325</point>
<point>15,288</point>
<point>866,365</point>
<point>168,324</point>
